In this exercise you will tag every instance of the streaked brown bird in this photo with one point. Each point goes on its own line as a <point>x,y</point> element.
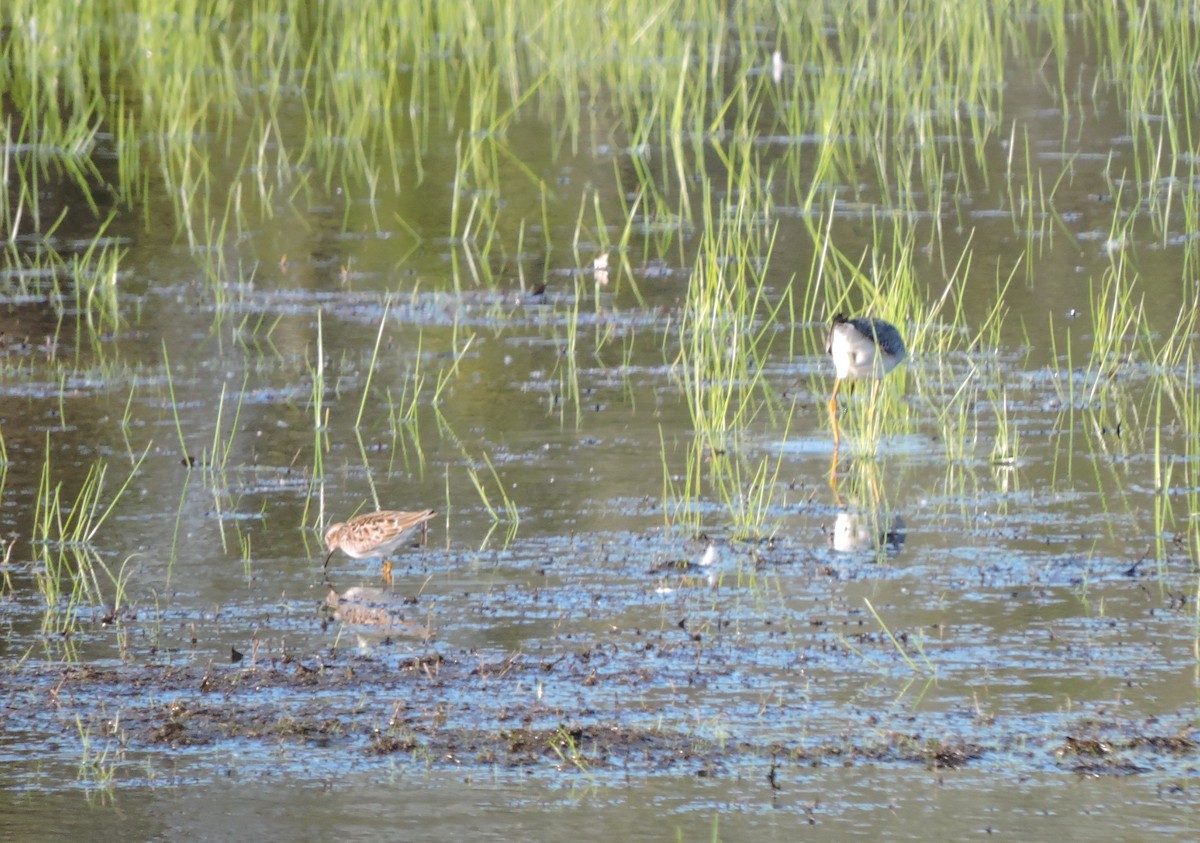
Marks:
<point>861,347</point>
<point>375,534</point>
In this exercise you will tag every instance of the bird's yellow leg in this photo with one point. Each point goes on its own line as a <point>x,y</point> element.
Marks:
<point>837,442</point>
<point>387,570</point>
<point>833,477</point>
<point>837,434</point>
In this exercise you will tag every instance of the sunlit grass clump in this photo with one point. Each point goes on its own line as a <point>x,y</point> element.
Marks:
<point>729,323</point>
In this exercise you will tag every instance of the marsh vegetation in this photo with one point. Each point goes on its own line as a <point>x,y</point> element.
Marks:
<point>563,273</point>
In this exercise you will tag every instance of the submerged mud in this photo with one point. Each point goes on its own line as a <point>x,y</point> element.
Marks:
<point>755,665</point>
<point>347,709</point>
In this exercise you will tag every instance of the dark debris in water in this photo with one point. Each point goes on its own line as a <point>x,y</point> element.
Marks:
<point>428,706</point>
<point>1109,751</point>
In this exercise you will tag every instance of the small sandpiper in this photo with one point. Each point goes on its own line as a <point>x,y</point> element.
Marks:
<point>375,534</point>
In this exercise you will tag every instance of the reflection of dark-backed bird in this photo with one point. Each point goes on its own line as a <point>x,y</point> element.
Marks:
<point>861,347</point>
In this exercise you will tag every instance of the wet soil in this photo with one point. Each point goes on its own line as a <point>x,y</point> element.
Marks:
<point>445,707</point>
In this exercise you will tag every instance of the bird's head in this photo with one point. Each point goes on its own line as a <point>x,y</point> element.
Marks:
<point>333,540</point>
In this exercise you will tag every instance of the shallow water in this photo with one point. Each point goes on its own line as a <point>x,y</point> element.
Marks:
<point>832,803</point>
<point>938,645</point>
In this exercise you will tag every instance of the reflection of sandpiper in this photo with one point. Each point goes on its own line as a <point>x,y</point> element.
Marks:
<point>861,347</point>
<point>371,613</point>
<point>375,534</point>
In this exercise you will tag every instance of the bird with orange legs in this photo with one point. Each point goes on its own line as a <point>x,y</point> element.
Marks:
<point>861,347</point>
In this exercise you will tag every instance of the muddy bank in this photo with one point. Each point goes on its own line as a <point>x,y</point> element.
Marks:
<point>466,709</point>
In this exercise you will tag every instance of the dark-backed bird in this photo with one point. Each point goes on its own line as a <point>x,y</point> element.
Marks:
<point>861,347</point>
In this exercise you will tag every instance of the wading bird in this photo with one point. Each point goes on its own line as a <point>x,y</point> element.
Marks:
<point>375,534</point>
<point>861,347</point>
